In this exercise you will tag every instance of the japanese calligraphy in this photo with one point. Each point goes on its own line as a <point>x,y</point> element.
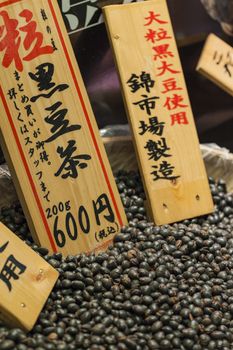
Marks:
<point>216,62</point>
<point>154,17</point>
<point>225,60</point>
<point>60,125</point>
<point>101,207</point>
<point>143,81</point>
<point>104,233</point>
<point>179,118</point>
<point>174,102</point>
<point>147,103</point>
<point>162,51</point>
<point>12,36</point>
<point>157,148</point>
<point>71,162</point>
<point>154,126</point>
<point>163,171</point>
<point>43,76</point>
<point>55,138</point>
<point>153,35</point>
<point>160,117</point>
<point>11,270</point>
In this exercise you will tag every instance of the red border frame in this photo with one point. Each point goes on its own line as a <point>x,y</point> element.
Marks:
<point>9,2</point>
<point>28,171</point>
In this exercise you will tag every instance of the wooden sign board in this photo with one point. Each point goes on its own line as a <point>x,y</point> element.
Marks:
<point>159,110</point>
<point>50,135</point>
<point>216,63</point>
<point>26,281</point>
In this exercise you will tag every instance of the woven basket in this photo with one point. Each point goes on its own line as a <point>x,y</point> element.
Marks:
<point>121,154</point>
<point>218,161</point>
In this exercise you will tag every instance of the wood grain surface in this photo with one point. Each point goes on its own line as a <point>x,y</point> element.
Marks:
<point>159,110</point>
<point>50,136</point>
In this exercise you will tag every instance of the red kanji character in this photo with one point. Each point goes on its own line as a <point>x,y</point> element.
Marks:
<point>153,17</point>
<point>162,34</point>
<point>31,36</point>
<point>179,118</point>
<point>153,35</point>
<point>166,67</point>
<point>162,51</point>
<point>150,35</point>
<point>174,102</point>
<point>10,42</point>
<point>170,85</point>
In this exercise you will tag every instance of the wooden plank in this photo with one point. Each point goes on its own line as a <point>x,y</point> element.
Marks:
<point>26,281</point>
<point>159,110</point>
<point>51,138</point>
<point>216,63</point>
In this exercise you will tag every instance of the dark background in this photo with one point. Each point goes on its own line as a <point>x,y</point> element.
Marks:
<point>212,107</point>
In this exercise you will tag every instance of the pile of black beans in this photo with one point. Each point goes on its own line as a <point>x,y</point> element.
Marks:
<point>168,287</point>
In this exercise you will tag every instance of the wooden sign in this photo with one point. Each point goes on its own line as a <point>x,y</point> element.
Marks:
<point>216,63</point>
<point>159,110</point>
<point>26,281</point>
<point>50,134</point>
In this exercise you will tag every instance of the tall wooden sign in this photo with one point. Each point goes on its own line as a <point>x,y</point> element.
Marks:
<point>159,110</point>
<point>50,134</point>
<point>216,63</point>
<point>26,281</point>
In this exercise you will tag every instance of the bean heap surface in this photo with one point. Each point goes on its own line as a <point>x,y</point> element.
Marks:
<point>168,287</point>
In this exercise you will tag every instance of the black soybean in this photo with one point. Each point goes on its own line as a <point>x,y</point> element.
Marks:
<point>167,287</point>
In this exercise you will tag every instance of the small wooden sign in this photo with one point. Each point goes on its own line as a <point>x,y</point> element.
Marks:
<point>26,281</point>
<point>159,110</point>
<point>50,135</point>
<point>216,63</point>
